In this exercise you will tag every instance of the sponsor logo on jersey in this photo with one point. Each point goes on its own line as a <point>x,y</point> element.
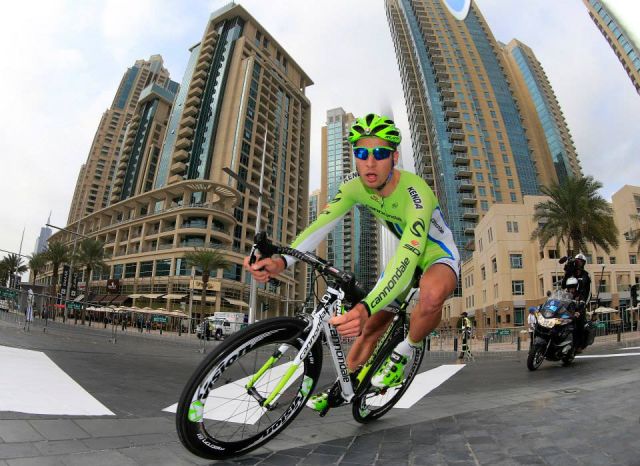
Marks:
<point>415,242</point>
<point>392,282</point>
<point>415,197</point>
<point>418,228</point>
<point>350,176</point>
<point>376,198</point>
<point>439,227</point>
<point>394,205</point>
<point>414,250</point>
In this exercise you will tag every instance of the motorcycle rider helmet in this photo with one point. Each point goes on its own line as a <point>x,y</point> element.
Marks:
<point>581,257</point>
<point>572,282</point>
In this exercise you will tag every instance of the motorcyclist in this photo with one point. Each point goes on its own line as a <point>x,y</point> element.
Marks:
<point>575,268</point>
<point>572,286</point>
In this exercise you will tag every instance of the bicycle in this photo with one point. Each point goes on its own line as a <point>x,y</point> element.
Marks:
<point>257,381</point>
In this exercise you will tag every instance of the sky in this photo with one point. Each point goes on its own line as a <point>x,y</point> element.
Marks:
<point>63,60</point>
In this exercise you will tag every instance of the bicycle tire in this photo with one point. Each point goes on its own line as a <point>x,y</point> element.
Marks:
<point>206,432</point>
<point>370,404</point>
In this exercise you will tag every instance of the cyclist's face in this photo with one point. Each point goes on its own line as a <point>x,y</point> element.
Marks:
<point>374,172</point>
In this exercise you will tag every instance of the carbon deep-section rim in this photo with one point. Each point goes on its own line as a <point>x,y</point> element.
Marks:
<point>218,417</point>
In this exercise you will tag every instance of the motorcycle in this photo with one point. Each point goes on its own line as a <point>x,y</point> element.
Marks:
<point>553,333</point>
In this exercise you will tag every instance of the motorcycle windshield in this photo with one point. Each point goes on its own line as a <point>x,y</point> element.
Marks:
<point>556,308</point>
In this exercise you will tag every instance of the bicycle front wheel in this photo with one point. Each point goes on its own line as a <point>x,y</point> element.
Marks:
<point>372,402</point>
<point>220,413</point>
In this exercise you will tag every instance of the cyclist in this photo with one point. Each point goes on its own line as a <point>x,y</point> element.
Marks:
<point>408,207</point>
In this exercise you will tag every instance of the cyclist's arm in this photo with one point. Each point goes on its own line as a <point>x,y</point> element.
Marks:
<point>337,208</point>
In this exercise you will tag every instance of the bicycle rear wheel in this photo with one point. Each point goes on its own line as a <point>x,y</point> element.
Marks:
<point>371,402</point>
<point>219,417</point>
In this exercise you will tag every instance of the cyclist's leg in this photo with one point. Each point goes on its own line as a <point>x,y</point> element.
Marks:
<point>363,345</point>
<point>436,284</point>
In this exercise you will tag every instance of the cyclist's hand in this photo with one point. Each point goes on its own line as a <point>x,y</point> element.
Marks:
<point>263,269</point>
<point>351,323</point>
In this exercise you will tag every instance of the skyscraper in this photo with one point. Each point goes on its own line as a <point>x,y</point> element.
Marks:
<point>241,92</point>
<point>541,113</point>
<point>43,237</point>
<point>97,174</point>
<point>353,243</point>
<point>624,44</point>
<point>467,133</point>
<point>314,202</point>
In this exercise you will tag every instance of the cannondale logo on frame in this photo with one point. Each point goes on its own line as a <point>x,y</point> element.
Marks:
<point>458,8</point>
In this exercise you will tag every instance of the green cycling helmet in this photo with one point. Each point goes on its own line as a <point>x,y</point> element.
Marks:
<point>375,125</point>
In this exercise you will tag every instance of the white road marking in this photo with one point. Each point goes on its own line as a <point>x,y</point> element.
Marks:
<point>32,383</point>
<point>593,356</point>
<point>231,403</point>
<point>629,348</point>
<point>423,383</point>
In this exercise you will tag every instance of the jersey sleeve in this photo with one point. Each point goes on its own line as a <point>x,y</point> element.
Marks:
<point>399,272</point>
<point>335,210</point>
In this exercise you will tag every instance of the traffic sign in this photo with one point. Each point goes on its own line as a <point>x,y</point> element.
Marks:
<point>160,319</point>
<point>504,331</point>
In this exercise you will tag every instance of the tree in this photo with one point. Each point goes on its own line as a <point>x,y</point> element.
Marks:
<point>634,235</point>
<point>4,272</point>
<point>207,260</point>
<point>14,265</point>
<point>37,263</point>
<point>575,215</point>
<point>57,253</point>
<point>90,256</point>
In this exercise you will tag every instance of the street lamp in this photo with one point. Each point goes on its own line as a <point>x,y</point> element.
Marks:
<point>70,279</point>
<point>253,293</point>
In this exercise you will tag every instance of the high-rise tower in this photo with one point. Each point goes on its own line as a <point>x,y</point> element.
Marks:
<point>542,115</point>
<point>467,135</point>
<point>353,243</point>
<point>241,105</point>
<point>97,174</point>
<point>626,46</point>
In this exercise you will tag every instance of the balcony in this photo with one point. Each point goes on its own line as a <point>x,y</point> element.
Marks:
<point>454,123</point>
<point>188,121</point>
<point>451,114</point>
<point>456,135</point>
<point>459,147</point>
<point>180,155</point>
<point>460,159</point>
<point>465,185</point>
<point>190,111</point>
<point>468,228</point>
<point>443,83</point>
<point>468,199</point>
<point>463,171</point>
<point>183,143</point>
<point>178,167</point>
<point>185,132</point>
<point>470,213</point>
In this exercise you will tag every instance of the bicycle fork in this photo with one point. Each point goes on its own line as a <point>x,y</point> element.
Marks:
<point>267,403</point>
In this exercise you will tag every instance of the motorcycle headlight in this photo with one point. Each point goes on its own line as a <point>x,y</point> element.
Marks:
<point>547,323</point>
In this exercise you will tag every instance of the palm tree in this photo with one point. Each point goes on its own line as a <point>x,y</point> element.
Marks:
<point>37,263</point>
<point>575,215</point>
<point>634,235</point>
<point>4,272</point>
<point>14,265</point>
<point>57,253</point>
<point>207,260</point>
<point>90,256</point>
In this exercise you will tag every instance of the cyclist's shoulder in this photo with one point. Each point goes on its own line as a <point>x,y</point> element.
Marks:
<point>352,184</point>
<point>417,190</point>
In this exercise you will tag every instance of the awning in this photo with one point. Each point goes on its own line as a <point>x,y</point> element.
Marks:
<point>236,302</point>
<point>173,297</point>
<point>97,298</point>
<point>152,295</point>
<point>210,299</point>
<point>135,295</point>
<point>119,299</point>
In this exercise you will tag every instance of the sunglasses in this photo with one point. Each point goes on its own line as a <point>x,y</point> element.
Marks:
<point>379,153</point>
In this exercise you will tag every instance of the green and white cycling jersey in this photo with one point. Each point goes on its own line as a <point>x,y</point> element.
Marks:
<point>411,212</point>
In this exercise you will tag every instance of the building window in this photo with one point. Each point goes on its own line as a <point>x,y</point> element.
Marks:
<point>600,260</point>
<point>146,269</point>
<point>509,227</point>
<point>480,244</point>
<point>483,273</point>
<point>589,259</point>
<point>484,205</point>
<point>163,267</point>
<point>633,259</point>
<point>517,287</point>
<point>553,254</point>
<point>490,232</point>
<point>130,270</point>
<point>515,227</point>
<point>612,260</point>
<point>494,265</point>
<point>117,270</point>
<point>516,261</point>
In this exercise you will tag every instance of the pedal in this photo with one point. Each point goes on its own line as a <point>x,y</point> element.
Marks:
<point>324,412</point>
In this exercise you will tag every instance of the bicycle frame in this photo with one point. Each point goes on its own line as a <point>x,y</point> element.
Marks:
<point>319,323</point>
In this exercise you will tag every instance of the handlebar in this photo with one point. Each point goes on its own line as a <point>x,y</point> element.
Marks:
<point>346,280</point>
